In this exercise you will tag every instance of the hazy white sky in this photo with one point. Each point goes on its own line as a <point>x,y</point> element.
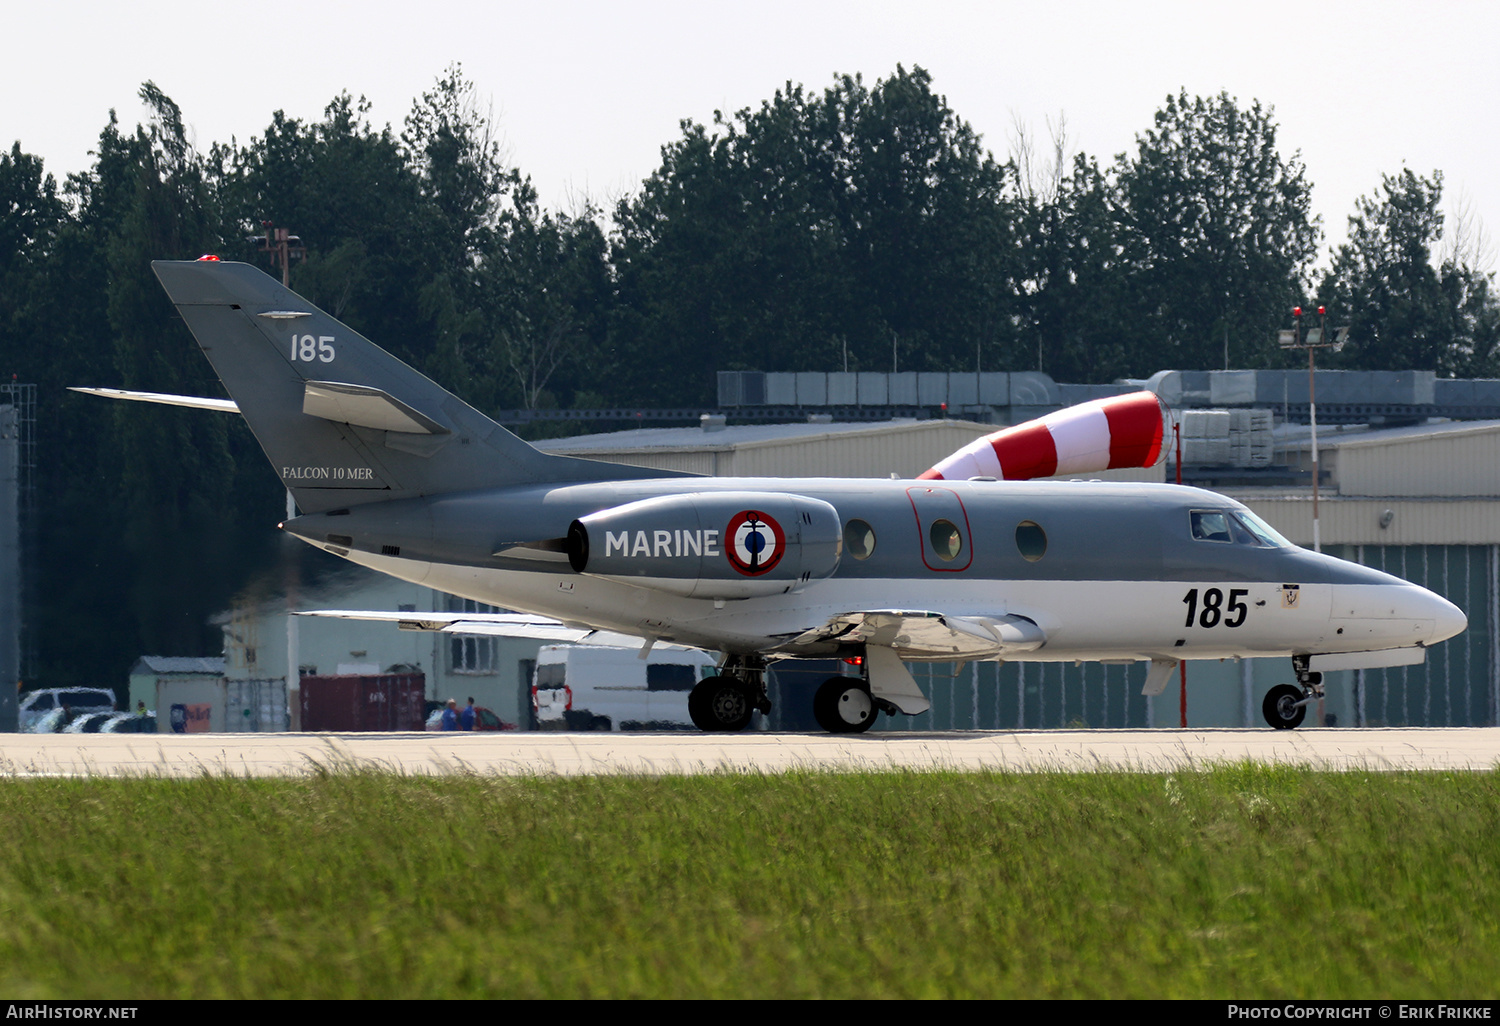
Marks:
<point>587,92</point>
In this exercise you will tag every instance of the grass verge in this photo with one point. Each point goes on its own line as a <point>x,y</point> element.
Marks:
<point>1237,882</point>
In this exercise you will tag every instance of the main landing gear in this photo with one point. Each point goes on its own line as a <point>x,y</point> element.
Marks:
<point>1286,704</point>
<point>844,705</point>
<point>725,703</point>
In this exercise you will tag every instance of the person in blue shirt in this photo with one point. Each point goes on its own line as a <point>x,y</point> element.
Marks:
<point>450,715</point>
<point>466,718</point>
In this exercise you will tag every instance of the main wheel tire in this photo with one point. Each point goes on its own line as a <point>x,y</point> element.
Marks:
<point>720,705</point>
<point>843,705</point>
<point>1281,709</point>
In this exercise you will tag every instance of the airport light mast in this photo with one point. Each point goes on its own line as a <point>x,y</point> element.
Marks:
<point>1315,338</point>
<point>285,247</point>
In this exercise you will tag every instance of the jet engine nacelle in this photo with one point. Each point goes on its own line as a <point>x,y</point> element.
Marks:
<point>718,545</point>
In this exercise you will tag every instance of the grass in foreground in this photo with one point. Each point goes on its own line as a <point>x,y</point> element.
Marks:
<point>1244,882</point>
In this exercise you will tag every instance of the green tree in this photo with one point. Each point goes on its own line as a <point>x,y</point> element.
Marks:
<point>1075,291</point>
<point>80,632</point>
<point>1405,311</point>
<point>462,179</point>
<point>547,293</point>
<point>1216,234</point>
<point>31,217</point>
<point>810,231</point>
<point>349,192</point>
<point>173,469</point>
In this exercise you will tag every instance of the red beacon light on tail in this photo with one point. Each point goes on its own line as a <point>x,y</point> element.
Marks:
<point>207,256</point>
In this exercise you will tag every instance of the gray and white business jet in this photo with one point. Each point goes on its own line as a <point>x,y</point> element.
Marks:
<point>395,473</point>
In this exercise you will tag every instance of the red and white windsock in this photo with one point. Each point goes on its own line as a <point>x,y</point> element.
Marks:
<point>1121,431</point>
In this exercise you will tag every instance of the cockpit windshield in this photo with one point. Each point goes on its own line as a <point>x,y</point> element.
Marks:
<point>1235,527</point>
<point>1263,532</point>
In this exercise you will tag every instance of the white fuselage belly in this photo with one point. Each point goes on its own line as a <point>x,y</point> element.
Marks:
<point>1083,619</point>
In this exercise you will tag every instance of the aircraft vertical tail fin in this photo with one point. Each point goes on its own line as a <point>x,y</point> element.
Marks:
<point>344,422</point>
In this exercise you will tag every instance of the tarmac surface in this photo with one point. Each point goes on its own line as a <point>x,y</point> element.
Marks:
<point>545,753</point>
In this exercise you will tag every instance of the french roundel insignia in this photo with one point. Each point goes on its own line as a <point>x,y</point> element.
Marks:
<point>755,542</point>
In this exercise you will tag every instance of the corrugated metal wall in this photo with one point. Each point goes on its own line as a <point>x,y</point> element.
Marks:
<point>1457,685</point>
<point>1455,462</point>
<point>1354,521</point>
<point>1027,696</point>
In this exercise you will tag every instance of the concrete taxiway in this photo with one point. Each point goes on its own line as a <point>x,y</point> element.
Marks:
<point>264,755</point>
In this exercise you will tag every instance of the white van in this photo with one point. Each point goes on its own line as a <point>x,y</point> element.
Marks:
<point>600,687</point>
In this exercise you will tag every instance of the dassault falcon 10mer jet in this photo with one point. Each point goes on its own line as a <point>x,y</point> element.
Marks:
<point>391,471</point>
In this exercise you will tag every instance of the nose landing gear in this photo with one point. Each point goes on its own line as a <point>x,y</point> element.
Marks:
<point>1286,705</point>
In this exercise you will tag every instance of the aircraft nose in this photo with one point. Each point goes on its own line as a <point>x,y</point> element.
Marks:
<point>1447,618</point>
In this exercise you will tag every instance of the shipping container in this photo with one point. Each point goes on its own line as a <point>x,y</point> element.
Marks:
<point>393,701</point>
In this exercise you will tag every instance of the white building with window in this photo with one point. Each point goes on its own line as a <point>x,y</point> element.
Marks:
<point>495,672</point>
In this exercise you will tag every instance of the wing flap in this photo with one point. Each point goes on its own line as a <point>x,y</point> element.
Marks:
<point>927,635</point>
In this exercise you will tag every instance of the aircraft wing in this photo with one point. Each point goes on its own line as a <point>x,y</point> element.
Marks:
<point>495,625</point>
<point>925,635</point>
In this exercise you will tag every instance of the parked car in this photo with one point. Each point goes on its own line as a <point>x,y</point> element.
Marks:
<point>37,704</point>
<point>49,722</point>
<point>484,719</point>
<point>90,723</point>
<point>130,723</point>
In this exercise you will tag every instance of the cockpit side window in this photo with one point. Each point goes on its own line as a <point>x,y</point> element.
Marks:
<point>1210,525</point>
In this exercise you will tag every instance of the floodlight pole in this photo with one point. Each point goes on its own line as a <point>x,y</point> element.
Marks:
<point>1312,417</point>
<point>284,247</point>
<point>1316,338</point>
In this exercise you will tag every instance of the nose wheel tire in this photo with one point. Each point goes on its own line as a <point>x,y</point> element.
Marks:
<point>843,705</point>
<point>1281,707</point>
<point>720,705</point>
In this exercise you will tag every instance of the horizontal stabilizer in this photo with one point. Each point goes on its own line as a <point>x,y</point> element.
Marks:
<point>492,625</point>
<point>364,406</point>
<point>191,401</point>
